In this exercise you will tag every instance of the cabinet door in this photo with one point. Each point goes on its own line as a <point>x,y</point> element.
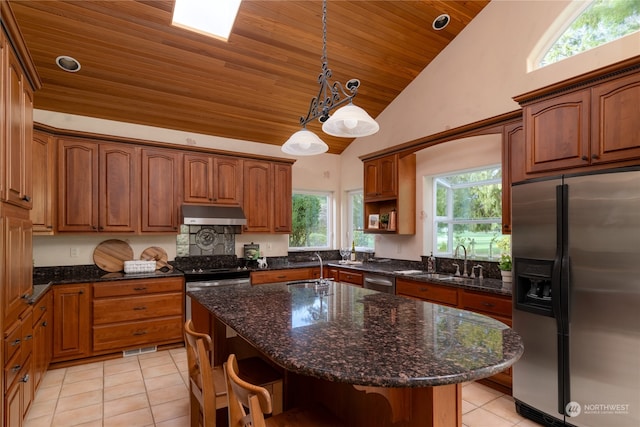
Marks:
<point>198,178</point>
<point>282,198</point>
<point>258,195</point>
<point>381,177</point>
<point>513,168</point>
<point>227,181</point>
<point>557,132</point>
<point>77,185</point>
<point>19,125</point>
<point>42,212</point>
<point>118,199</point>
<point>615,125</point>
<point>371,176</point>
<point>17,274</point>
<point>71,321</point>
<point>160,191</point>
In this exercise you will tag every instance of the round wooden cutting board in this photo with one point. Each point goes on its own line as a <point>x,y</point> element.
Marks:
<point>111,254</point>
<point>157,254</point>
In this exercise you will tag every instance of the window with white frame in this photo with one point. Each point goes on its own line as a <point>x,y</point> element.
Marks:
<point>311,220</point>
<point>355,226</point>
<point>468,211</point>
<point>593,24</point>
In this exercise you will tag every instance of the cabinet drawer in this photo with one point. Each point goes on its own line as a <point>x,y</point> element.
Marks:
<point>137,287</point>
<point>12,340</point>
<point>12,368</point>
<point>262,277</point>
<point>350,277</point>
<point>137,334</point>
<point>489,304</point>
<point>427,292</point>
<point>122,309</point>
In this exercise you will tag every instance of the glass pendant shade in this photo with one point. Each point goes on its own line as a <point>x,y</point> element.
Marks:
<point>304,143</point>
<point>350,121</point>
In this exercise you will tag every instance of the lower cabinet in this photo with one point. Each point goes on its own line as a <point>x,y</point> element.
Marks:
<point>286,275</point>
<point>18,386</point>
<point>137,313</point>
<point>71,321</point>
<point>345,275</point>
<point>493,305</point>
<point>42,337</point>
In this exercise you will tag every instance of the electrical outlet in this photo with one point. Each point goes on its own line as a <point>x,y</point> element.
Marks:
<point>74,252</point>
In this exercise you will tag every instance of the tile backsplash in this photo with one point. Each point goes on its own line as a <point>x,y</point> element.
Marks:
<point>206,240</point>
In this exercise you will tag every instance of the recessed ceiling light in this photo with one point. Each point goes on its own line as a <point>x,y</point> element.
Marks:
<point>212,18</point>
<point>441,21</point>
<point>68,63</point>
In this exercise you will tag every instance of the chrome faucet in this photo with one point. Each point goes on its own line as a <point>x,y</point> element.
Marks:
<point>455,255</point>
<point>321,272</point>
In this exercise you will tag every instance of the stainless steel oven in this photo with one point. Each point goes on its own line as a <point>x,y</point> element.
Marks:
<point>205,278</point>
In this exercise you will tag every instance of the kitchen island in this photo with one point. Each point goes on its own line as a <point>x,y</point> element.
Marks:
<point>374,359</point>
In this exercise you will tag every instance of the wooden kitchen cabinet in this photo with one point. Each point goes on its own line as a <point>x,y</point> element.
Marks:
<point>18,386</point>
<point>137,313</point>
<point>282,198</point>
<point>589,121</point>
<point>212,179</point>
<point>17,259</point>
<point>43,210</point>
<point>513,167</point>
<point>161,171</point>
<point>286,275</point>
<point>71,321</point>
<point>350,276</point>
<point>390,185</point>
<point>430,292</point>
<point>42,337</point>
<point>381,177</point>
<point>17,108</point>
<point>97,187</point>
<point>267,196</point>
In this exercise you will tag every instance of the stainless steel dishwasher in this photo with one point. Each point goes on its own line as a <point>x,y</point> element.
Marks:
<point>380,283</point>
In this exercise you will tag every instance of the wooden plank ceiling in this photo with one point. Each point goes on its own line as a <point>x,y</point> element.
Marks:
<point>137,68</point>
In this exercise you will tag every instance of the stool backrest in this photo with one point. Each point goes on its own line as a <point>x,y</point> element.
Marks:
<point>201,385</point>
<point>245,396</point>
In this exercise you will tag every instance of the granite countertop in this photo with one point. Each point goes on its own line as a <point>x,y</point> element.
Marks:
<point>359,336</point>
<point>489,285</point>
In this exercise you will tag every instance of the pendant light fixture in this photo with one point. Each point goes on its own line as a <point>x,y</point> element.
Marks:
<point>350,121</point>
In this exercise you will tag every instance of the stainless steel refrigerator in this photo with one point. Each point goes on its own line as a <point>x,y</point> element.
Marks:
<point>576,298</point>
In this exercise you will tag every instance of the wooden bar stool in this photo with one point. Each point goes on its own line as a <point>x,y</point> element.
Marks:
<point>257,400</point>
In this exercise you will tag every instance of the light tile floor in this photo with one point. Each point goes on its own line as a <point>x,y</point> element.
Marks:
<point>151,390</point>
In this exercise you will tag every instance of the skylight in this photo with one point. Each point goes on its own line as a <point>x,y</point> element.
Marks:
<point>212,18</point>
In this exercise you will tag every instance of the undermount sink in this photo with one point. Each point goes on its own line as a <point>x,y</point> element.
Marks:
<point>438,276</point>
<point>313,283</point>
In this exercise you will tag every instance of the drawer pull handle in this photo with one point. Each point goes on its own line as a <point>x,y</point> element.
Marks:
<point>28,337</point>
<point>16,368</point>
<point>424,289</point>
<point>25,378</point>
<point>15,342</point>
<point>487,304</point>
<point>140,308</point>
<point>138,333</point>
<point>143,288</point>
<point>44,323</point>
<point>282,277</point>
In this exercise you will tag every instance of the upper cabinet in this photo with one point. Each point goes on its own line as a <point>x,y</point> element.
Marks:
<point>381,178</point>
<point>16,109</point>
<point>43,211</point>
<point>390,189</point>
<point>97,186</point>
<point>588,121</point>
<point>513,167</point>
<point>212,179</point>
<point>267,196</point>
<point>160,190</point>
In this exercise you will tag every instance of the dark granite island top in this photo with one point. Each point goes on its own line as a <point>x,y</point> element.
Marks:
<point>372,358</point>
<point>358,336</point>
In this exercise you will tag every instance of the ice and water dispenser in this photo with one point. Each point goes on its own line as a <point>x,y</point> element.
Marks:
<point>532,285</point>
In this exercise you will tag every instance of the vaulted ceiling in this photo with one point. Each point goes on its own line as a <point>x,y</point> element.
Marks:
<point>137,68</point>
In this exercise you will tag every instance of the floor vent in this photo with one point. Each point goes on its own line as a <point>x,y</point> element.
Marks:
<point>141,350</point>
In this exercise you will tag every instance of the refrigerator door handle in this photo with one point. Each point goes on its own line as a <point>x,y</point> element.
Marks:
<point>560,295</point>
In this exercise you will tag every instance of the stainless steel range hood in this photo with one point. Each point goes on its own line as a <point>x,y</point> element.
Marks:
<point>212,215</point>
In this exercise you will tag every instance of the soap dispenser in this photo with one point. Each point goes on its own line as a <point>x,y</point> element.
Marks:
<point>431,263</point>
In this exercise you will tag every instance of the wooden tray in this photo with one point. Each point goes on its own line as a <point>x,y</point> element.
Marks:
<point>111,254</point>
<point>157,254</point>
